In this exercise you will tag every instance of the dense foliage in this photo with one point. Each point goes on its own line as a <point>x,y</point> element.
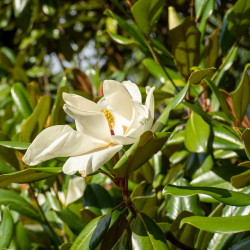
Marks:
<point>182,185</point>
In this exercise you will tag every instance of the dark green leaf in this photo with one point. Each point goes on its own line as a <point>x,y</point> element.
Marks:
<point>139,153</point>
<point>22,238</point>
<point>241,180</point>
<point>241,96</point>
<point>28,175</point>
<point>198,75</point>
<point>197,133</point>
<point>147,235</point>
<point>6,228</point>
<point>222,195</point>
<point>100,230</point>
<point>227,225</point>
<point>186,45</point>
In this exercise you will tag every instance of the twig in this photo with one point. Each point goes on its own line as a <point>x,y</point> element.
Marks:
<point>107,174</point>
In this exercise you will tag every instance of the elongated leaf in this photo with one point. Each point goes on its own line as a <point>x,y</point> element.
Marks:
<point>241,180</point>
<point>146,13</point>
<point>226,225</point>
<point>147,235</point>
<point>21,99</point>
<point>199,74</point>
<point>223,195</point>
<point>163,119</point>
<point>246,139</point>
<point>241,96</point>
<point>71,220</point>
<point>120,39</point>
<point>18,203</point>
<point>6,229</point>
<point>15,145</point>
<point>139,153</point>
<point>100,230</point>
<point>57,114</point>
<point>28,175</point>
<point>186,45</point>
<point>238,18</point>
<point>22,238</point>
<point>197,133</point>
<point>35,123</point>
<point>83,239</point>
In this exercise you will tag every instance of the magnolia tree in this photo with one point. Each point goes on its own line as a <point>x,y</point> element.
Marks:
<point>124,124</point>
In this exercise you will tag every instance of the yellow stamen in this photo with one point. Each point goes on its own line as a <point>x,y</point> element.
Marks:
<point>110,118</point>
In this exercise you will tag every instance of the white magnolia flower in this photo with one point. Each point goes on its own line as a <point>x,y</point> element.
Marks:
<point>102,128</point>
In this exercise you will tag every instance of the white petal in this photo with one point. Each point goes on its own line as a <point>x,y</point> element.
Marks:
<point>80,103</point>
<point>150,102</point>
<point>117,96</point>
<point>133,90</point>
<point>89,163</point>
<point>76,189</point>
<point>60,141</point>
<point>91,123</point>
<point>124,140</point>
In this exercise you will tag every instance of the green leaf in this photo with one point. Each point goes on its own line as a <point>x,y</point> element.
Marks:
<point>19,6</point>
<point>15,145</point>
<point>238,18</point>
<point>186,45</point>
<point>197,76</point>
<point>241,96</point>
<point>241,180</point>
<point>28,175</point>
<point>147,13</point>
<point>163,119</point>
<point>147,205</point>
<point>173,19</point>
<point>21,99</point>
<point>178,156</point>
<point>22,239</point>
<point>245,164</point>
<point>223,195</point>
<point>147,235</point>
<point>120,39</point>
<point>246,139</point>
<point>57,114</point>
<point>35,123</point>
<point>6,228</point>
<point>197,133</point>
<point>95,196</point>
<point>226,225</point>
<point>83,239</point>
<point>18,203</point>
<point>140,152</point>
<point>100,230</point>
<point>71,220</point>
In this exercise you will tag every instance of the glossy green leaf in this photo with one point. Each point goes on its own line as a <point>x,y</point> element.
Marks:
<point>178,156</point>
<point>15,145</point>
<point>114,232</point>
<point>71,220</point>
<point>120,39</point>
<point>22,238</point>
<point>227,225</point>
<point>95,196</point>
<point>197,133</point>
<point>147,235</point>
<point>238,18</point>
<point>241,180</point>
<point>147,13</point>
<point>18,203</point>
<point>83,239</point>
<point>35,123</point>
<point>147,205</point>
<point>241,96</point>
<point>197,76</point>
<point>100,230</point>
<point>57,114</point>
<point>163,119</point>
<point>148,144</point>
<point>6,228</point>
<point>21,99</point>
<point>28,175</point>
<point>242,245</point>
<point>223,195</point>
<point>186,45</point>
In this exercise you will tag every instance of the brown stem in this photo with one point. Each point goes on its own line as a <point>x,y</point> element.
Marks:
<point>118,206</point>
<point>191,6</point>
<point>204,98</point>
<point>107,174</point>
<point>170,237</point>
<point>129,4</point>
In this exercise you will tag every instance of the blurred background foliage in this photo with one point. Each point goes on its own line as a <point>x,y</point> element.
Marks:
<point>48,47</point>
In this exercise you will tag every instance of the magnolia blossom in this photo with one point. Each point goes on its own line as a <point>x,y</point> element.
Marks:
<point>102,128</point>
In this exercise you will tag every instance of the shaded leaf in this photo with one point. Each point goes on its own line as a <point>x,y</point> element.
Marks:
<point>197,76</point>
<point>241,180</point>
<point>6,228</point>
<point>22,238</point>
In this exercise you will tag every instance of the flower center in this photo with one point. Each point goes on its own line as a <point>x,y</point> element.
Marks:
<point>110,118</point>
